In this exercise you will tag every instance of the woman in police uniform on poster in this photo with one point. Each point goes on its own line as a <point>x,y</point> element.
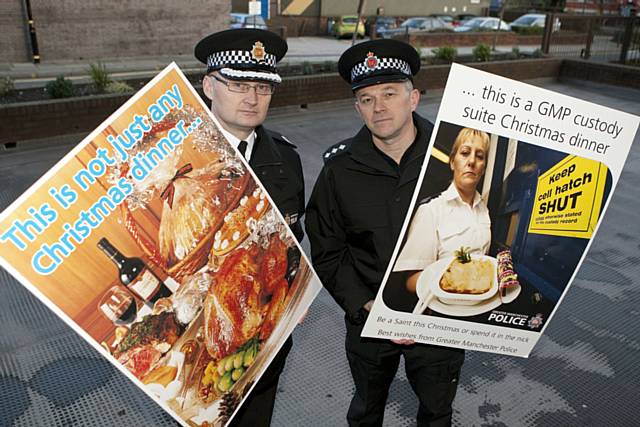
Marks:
<point>456,218</point>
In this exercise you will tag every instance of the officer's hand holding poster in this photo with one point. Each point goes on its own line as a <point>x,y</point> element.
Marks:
<point>154,240</point>
<point>517,181</point>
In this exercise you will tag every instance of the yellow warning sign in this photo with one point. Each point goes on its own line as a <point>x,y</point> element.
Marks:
<point>568,198</point>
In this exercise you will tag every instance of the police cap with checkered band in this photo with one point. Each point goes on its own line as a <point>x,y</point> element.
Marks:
<point>378,61</point>
<point>243,54</point>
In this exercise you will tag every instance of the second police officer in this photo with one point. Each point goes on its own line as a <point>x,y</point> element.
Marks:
<point>354,218</point>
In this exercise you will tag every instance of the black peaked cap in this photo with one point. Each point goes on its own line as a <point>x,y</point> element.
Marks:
<point>242,49</point>
<point>378,61</point>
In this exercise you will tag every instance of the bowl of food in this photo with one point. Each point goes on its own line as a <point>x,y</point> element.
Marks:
<point>465,278</point>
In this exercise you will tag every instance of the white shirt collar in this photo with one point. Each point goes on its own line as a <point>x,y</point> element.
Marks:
<point>451,193</point>
<point>234,140</point>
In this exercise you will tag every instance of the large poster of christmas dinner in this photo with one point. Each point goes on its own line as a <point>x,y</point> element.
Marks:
<point>155,241</point>
<point>515,184</point>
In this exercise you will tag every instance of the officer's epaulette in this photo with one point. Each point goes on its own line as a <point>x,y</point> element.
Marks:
<point>278,137</point>
<point>335,149</point>
<point>429,198</point>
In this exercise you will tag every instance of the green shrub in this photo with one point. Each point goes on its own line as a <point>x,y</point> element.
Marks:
<point>100,76</point>
<point>514,54</point>
<point>307,68</point>
<point>330,66</point>
<point>482,52</point>
<point>528,31</point>
<point>60,88</point>
<point>6,86</point>
<point>118,87</point>
<point>537,53</point>
<point>446,53</point>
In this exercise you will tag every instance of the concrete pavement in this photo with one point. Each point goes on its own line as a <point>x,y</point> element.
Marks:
<point>583,372</point>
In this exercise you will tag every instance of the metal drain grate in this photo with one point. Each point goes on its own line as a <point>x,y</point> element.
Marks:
<point>316,386</point>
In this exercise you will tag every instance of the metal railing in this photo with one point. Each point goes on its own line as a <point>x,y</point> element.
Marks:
<point>597,38</point>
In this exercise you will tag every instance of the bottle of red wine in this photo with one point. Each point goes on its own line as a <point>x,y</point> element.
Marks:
<point>135,275</point>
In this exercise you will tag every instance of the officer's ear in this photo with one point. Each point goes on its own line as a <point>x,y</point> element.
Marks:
<point>207,86</point>
<point>357,106</point>
<point>414,96</point>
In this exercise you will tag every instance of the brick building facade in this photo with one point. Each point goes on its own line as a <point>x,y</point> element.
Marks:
<point>13,33</point>
<point>95,29</point>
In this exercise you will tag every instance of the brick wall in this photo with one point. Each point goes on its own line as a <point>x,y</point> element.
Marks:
<point>309,89</point>
<point>472,39</point>
<point>30,120</point>
<point>297,26</point>
<point>13,34</point>
<point>614,74</point>
<point>19,122</point>
<point>94,29</point>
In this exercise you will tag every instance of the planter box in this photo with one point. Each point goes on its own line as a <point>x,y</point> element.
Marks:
<point>613,74</point>
<point>501,38</point>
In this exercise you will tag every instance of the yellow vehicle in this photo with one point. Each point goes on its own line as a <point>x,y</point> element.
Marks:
<point>345,25</point>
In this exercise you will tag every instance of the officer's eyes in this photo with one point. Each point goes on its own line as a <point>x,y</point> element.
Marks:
<point>365,101</point>
<point>241,87</point>
<point>263,88</point>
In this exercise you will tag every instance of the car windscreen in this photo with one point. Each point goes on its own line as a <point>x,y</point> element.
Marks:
<point>475,22</point>
<point>525,20</point>
<point>491,23</point>
<point>412,23</point>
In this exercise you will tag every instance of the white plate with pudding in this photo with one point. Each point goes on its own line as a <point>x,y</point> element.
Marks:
<point>461,290</point>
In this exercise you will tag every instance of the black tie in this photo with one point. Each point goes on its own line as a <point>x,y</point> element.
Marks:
<point>242,148</point>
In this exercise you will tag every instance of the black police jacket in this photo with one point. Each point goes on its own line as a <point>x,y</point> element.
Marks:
<point>356,212</point>
<point>277,165</point>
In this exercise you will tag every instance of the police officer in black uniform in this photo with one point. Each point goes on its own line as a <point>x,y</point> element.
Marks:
<point>354,218</point>
<point>241,77</point>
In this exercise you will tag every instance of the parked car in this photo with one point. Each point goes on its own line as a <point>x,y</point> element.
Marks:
<point>382,23</point>
<point>447,19</point>
<point>463,18</point>
<point>244,20</point>
<point>487,23</point>
<point>534,20</point>
<point>345,25</point>
<point>415,25</point>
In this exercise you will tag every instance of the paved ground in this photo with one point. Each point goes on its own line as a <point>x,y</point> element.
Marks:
<point>583,372</point>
